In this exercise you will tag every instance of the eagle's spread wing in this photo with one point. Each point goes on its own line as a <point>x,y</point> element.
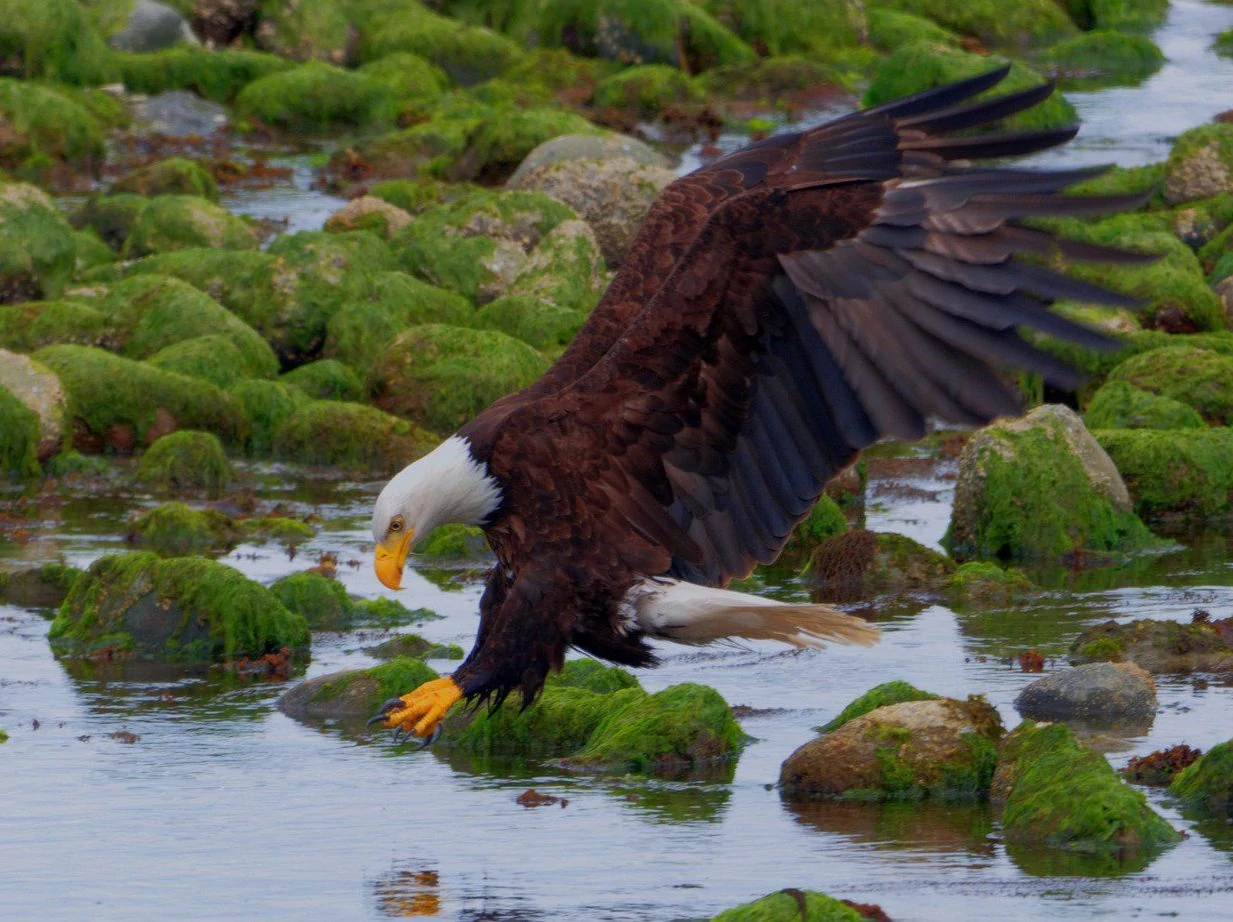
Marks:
<point>795,301</point>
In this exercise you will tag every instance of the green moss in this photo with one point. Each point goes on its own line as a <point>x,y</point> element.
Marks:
<point>771,82</point>
<point>267,405</point>
<point>454,542</point>
<point>441,376</point>
<point>173,176</point>
<point>779,27</point>
<point>19,437</point>
<point>73,463</point>
<point>348,435</point>
<point>646,91</point>
<point>109,393</point>
<point>558,724</point>
<point>792,906</point>
<point>879,696</point>
<point>90,251</point>
<point>407,76</point>
<point>825,520</point>
<point>177,222</point>
<point>37,252</point>
<point>1175,472</point>
<point>593,676</point>
<point>467,55</point>
<point>1013,26</point>
<point>566,268</point>
<point>323,602</point>
<point>921,65</point>
<point>1127,15</point>
<point>4,737</point>
<point>176,530</point>
<point>216,359</point>
<point>317,97</point>
<point>185,460</point>
<point>215,75</point>
<point>980,582</point>
<point>504,140</point>
<point>387,612</point>
<point>890,29</point>
<point>1102,650</point>
<point>362,329</point>
<point>1190,142</point>
<point>1197,377</point>
<point>539,323</point>
<point>1064,796</point>
<point>373,687</point>
<point>416,196</point>
<point>52,40</point>
<point>325,379</point>
<point>46,128</point>
<point>1121,405</point>
<point>1224,42</point>
<point>35,324</point>
<point>110,216</point>
<point>279,529</point>
<point>309,29</point>
<point>1136,180</point>
<point>187,609</point>
<point>1105,57</point>
<point>1205,788</point>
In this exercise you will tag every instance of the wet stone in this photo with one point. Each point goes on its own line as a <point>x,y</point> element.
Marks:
<point>1202,645</point>
<point>1091,692</point>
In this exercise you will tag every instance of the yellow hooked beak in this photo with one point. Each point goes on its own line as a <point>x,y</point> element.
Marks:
<point>390,558</point>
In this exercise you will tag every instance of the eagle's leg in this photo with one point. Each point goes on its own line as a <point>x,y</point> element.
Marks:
<point>419,713</point>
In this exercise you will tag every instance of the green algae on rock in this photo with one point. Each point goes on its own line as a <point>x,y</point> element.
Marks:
<point>1054,792</point>
<point>317,97</point>
<point>414,646</point>
<point>467,55</point>
<point>783,27</point>
<point>415,196</point>
<point>355,694</point>
<point>408,76</point>
<point>980,582</point>
<point>1011,26</point>
<point>1121,405</point>
<point>90,251</point>
<point>325,379</point>
<point>52,40</point>
<point>43,587</point>
<point>454,542</point>
<point>825,521</point>
<point>307,30</point>
<point>647,91</point>
<point>368,213</point>
<point>185,460</point>
<point>936,748</point>
<point>792,906</point>
<point>215,358</point>
<point>186,609</point>
<point>594,676</point>
<point>1202,645</point>
<point>280,529</point>
<point>440,376</point>
<point>177,530</point>
<point>895,692</point>
<point>215,75</point>
<point>859,563</point>
<point>19,437</point>
<point>546,326</point>
<point>1205,789</point>
<point>46,129</point>
<point>177,222</point>
<point>891,29</point>
<point>323,602</point>
<point>1174,472</point>
<point>110,216</point>
<point>37,251</point>
<point>1104,57</point>
<point>173,176</point>
<point>350,436</point>
<point>121,403</point>
<point>1011,476</point>
<point>1196,377</point>
<point>566,268</point>
<point>267,405</point>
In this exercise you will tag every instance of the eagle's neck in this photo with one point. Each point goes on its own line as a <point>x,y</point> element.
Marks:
<point>450,485</point>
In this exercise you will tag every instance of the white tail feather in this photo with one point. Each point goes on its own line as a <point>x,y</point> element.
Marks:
<point>689,613</point>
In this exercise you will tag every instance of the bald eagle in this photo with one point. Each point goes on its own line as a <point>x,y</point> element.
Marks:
<point>780,309</point>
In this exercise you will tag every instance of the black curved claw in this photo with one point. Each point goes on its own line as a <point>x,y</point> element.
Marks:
<point>428,740</point>
<point>390,704</point>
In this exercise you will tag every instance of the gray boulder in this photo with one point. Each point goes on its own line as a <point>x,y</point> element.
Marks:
<point>152,26</point>
<point>1096,691</point>
<point>39,389</point>
<point>179,114</point>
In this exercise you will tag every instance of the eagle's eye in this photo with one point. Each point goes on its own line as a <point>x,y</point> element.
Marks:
<point>396,525</point>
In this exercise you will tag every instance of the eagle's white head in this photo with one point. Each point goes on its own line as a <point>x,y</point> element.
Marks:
<point>446,485</point>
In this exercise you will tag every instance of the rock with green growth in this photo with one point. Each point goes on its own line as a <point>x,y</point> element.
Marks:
<point>415,196</point>
<point>891,29</point>
<point>173,176</point>
<point>784,27</point>
<point>350,436</point>
<point>1202,645</point>
<point>455,543</point>
<point>40,390</point>
<point>566,268</point>
<point>408,76</point>
<point>922,65</point>
<point>1091,692</point>
<point>177,222</point>
<point>91,251</point>
<point>980,582</point>
<point>1040,487</point>
<point>941,749</point>
<point>215,75</point>
<point>1174,472</point>
<point>594,676</point>
<point>37,252</point>
<point>860,563</point>
<point>325,379</point>
<point>185,461</point>
<point>317,97</point>
<point>35,324</point>
<point>46,586</point>
<point>19,437</point>
<point>177,530</point>
<point>468,55</point>
<point>1200,164</point>
<point>280,529</point>
<point>356,694</point>
<point>1105,57</point>
<point>770,82</point>
<point>110,216</point>
<point>825,521</point>
<point>1121,405</point>
<point>46,130</point>
<point>186,609</point>
<point>307,30</point>
<point>887,693</point>
<point>214,358</point>
<point>792,906</point>
<point>1015,27</point>
<point>440,376</point>
<point>546,326</point>
<point>647,91</point>
<point>362,329</point>
<point>415,646</point>
<point>1055,793</point>
<point>52,40</point>
<point>1199,378</point>
<point>121,404</point>
<point>323,602</point>
<point>368,213</point>
<point>267,405</point>
<point>1205,789</point>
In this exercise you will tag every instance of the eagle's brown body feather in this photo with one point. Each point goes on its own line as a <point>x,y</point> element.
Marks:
<point>780,310</point>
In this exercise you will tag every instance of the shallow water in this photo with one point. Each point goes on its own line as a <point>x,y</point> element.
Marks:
<point>227,807</point>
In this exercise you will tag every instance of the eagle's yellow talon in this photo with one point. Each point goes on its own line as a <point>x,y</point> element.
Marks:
<point>425,708</point>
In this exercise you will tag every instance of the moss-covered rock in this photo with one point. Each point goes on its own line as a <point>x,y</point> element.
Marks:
<point>110,216</point>
<point>860,563</point>
<point>1197,377</point>
<point>44,587</point>
<point>979,582</point>
<point>921,65</point>
<point>37,252</point>
<point>1040,487</point>
<point>214,358</point>
<point>34,324</point>
<point>1105,57</point>
<point>186,609</point>
<point>940,749</point>
<point>322,601</point>
<point>317,97</point>
<point>46,130</point>
<point>454,542</point>
<point>441,376</point>
<point>307,30</point>
<point>891,29</point>
<point>783,27</point>
<point>566,268</point>
<point>280,529</point>
<point>177,222</point>
<point>267,405</point>
<point>215,75</point>
<point>1019,26</point>
<point>185,460</point>
<point>52,40</point>
<point>825,521</point>
<point>593,676</point>
<point>415,646</point>
<point>19,437</point>
<point>1205,789</point>
<point>415,196</point>
<point>1121,405</point>
<point>1200,164</point>
<point>1055,793</point>
<point>775,83</point>
<point>790,906</point>
<point>1201,645</point>
<point>1126,15</point>
<point>538,323</point>
<point>177,530</point>
<point>349,435</point>
<point>467,54</point>
<point>40,390</point>
<point>90,251</point>
<point>356,694</point>
<point>1177,472</point>
<point>360,330</point>
<point>647,91</point>
<point>173,176</point>
<point>325,379</point>
<point>408,76</point>
<point>118,404</point>
<point>887,693</point>
<point>371,214</point>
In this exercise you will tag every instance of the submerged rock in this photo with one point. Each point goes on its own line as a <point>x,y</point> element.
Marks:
<point>414,646</point>
<point>176,530</point>
<point>979,582</point>
<point>185,461</point>
<point>1205,789</point>
<point>1202,645</point>
<point>1096,691</point>
<point>793,906</point>
<point>1053,792</point>
<point>187,609</point>
<point>1040,487</point>
<point>38,587</point>
<point>940,748</point>
<point>860,563</point>
<point>355,694</point>
<point>40,390</point>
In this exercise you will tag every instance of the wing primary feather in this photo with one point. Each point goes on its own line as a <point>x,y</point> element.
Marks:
<point>966,115</point>
<point>939,97</point>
